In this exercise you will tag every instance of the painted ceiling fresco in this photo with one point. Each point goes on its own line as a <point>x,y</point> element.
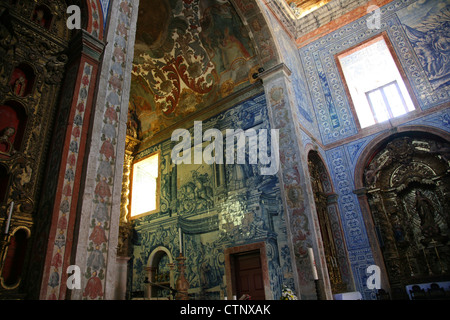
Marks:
<point>188,55</point>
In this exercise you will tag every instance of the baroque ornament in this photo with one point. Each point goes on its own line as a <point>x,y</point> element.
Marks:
<point>406,184</point>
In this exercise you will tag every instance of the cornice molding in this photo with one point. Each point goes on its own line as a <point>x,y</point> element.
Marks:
<point>82,41</point>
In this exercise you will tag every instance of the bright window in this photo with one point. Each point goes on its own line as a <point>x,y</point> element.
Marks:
<point>374,82</point>
<point>144,195</point>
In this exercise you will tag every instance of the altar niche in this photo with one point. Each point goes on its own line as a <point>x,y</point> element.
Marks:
<point>330,228</point>
<point>406,184</point>
<point>42,16</point>
<point>22,80</point>
<point>13,260</point>
<point>4,179</point>
<point>13,121</point>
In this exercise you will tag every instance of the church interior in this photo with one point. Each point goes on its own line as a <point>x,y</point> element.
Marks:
<point>354,93</point>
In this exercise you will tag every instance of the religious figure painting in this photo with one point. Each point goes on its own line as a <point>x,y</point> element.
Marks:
<point>6,145</point>
<point>428,218</point>
<point>427,25</point>
<point>195,184</point>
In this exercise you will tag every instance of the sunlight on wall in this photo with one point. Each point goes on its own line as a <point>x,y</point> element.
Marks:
<point>145,184</point>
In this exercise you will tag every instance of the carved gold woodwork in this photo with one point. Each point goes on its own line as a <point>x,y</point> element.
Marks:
<point>23,42</point>
<point>125,227</point>
<point>408,190</point>
<point>321,199</point>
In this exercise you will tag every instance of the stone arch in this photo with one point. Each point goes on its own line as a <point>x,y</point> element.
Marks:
<point>378,142</point>
<point>156,255</point>
<point>327,184</point>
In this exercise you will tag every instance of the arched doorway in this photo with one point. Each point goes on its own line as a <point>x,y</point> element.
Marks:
<point>160,273</point>
<point>407,186</point>
<point>330,227</point>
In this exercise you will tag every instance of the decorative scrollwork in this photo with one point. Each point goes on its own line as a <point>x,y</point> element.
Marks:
<point>407,194</point>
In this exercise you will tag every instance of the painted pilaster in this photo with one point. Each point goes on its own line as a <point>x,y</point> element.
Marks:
<point>303,228</point>
<point>99,206</point>
<point>73,125</point>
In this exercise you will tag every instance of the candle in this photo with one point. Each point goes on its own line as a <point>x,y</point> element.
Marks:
<point>179,234</point>
<point>313,263</point>
<point>11,206</point>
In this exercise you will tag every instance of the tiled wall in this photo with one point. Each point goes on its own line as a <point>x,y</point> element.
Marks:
<point>417,31</point>
<point>245,208</point>
<point>410,27</point>
<point>251,211</point>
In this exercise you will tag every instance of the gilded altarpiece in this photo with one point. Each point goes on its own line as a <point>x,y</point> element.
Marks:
<point>331,230</point>
<point>407,184</point>
<point>33,41</point>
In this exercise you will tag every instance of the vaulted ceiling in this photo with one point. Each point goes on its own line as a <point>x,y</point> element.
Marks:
<point>188,54</point>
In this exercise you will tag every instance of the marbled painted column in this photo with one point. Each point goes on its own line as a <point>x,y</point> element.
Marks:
<point>96,250</point>
<point>303,227</point>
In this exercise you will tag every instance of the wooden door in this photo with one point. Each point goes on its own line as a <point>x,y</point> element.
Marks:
<point>249,278</point>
